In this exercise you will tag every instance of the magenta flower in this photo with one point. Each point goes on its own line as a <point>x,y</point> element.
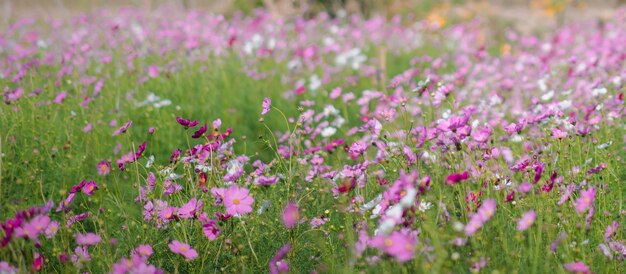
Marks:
<point>267,104</point>
<point>123,129</point>
<point>576,267</point>
<point>455,178</point>
<point>400,245</point>
<point>153,71</point>
<point>87,239</point>
<point>104,168</point>
<point>210,229</point>
<point>527,220</point>
<point>482,135</point>
<point>291,215</point>
<point>60,97</point>
<point>186,123</point>
<point>37,262</point>
<point>200,131</point>
<point>237,200</point>
<point>586,199</point>
<point>183,249</point>
<point>89,188</point>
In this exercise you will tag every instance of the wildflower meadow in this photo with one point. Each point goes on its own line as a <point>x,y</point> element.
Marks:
<point>186,141</point>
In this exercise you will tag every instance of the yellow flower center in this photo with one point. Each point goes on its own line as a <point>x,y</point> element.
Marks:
<point>183,249</point>
<point>388,242</point>
<point>103,168</point>
<point>236,201</point>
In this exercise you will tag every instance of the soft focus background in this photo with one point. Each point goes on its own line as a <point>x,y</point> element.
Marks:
<point>524,15</point>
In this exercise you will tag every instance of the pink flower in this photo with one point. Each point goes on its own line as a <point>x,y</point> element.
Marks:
<point>190,209</point>
<point>267,104</point>
<point>89,188</point>
<point>87,239</point>
<point>278,264</point>
<point>183,249</point>
<point>290,215</point>
<point>527,220</point>
<point>478,219</point>
<point>237,200</point>
<point>52,229</point>
<point>558,134</point>
<point>153,71</point>
<point>123,129</point>
<point>576,267</point>
<point>186,123</point>
<point>104,168</point>
<point>586,199</point>
<point>482,135</point>
<point>456,177</point>
<point>144,250</point>
<point>210,229</point>
<point>525,187</point>
<point>400,245</point>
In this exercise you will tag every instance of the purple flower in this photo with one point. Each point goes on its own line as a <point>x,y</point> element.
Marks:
<point>265,181</point>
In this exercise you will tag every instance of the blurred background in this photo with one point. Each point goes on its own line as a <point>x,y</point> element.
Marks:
<point>524,15</point>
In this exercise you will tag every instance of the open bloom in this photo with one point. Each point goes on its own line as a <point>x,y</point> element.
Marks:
<point>586,199</point>
<point>104,168</point>
<point>123,129</point>
<point>237,200</point>
<point>290,215</point>
<point>210,229</point>
<point>456,177</point>
<point>527,220</point>
<point>183,249</point>
<point>89,188</point>
<point>400,245</point>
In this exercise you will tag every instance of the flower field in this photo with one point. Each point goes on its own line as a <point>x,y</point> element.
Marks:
<point>173,141</point>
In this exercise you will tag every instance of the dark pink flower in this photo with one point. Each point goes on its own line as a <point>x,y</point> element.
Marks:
<point>186,123</point>
<point>456,178</point>
<point>89,188</point>
<point>211,230</point>
<point>200,131</point>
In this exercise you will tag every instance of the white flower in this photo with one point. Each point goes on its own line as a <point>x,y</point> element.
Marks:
<point>425,206</point>
<point>547,96</point>
<point>598,91</point>
<point>329,131</point>
<point>150,161</point>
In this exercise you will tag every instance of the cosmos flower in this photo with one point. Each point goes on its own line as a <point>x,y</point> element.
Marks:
<point>198,133</point>
<point>576,267</point>
<point>586,199</point>
<point>186,123</point>
<point>87,239</point>
<point>144,251</point>
<point>527,220</point>
<point>211,230</point>
<point>267,104</point>
<point>237,200</point>
<point>400,245</point>
<point>123,129</point>
<point>455,178</point>
<point>183,249</point>
<point>89,188</point>
<point>290,215</point>
<point>277,263</point>
<point>104,168</point>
